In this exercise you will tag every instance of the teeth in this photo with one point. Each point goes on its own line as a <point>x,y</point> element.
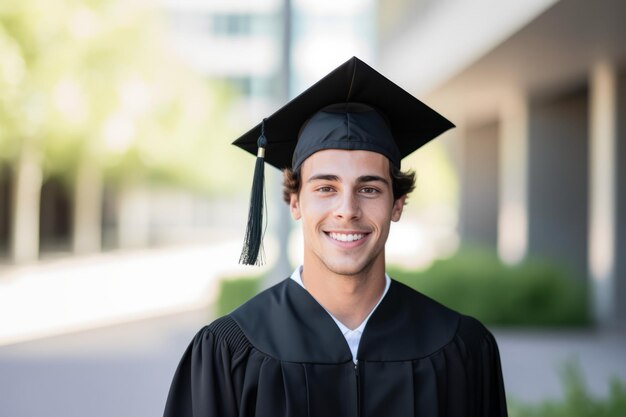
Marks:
<point>342,237</point>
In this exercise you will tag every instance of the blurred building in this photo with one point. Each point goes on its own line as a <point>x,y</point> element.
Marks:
<point>538,92</point>
<point>326,33</point>
<point>237,42</point>
<point>5,208</point>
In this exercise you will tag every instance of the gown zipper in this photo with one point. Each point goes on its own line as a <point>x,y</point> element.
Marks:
<point>358,389</point>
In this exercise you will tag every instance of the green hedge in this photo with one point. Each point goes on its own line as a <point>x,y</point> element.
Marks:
<point>577,401</point>
<point>234,292</point>
<point>475,282</point>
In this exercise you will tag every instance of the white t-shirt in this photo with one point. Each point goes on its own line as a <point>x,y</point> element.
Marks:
<point>353,337</point>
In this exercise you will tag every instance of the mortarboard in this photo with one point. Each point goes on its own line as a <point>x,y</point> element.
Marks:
<point>353,107</point>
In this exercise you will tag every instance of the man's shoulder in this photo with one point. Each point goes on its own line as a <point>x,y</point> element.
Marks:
<point>435,325</point>
<point>227,329</point>
<point>419,304</point>
<point>222,332</point>
<point>459,324</point>
<point>422,304</point>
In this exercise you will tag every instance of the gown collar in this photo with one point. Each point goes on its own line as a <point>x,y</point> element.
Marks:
<point>352,336</point>
<point>287,323</point>
<point>297,277</point>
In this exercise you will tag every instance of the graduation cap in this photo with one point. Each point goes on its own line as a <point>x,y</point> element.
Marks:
<point>354,107</point>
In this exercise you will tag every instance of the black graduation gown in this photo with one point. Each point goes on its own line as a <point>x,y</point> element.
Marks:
<point>281,354</point>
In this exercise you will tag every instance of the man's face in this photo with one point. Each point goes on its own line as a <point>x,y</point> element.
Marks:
<point>346,205</point>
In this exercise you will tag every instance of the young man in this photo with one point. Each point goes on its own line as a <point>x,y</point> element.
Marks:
<point>339,337</point>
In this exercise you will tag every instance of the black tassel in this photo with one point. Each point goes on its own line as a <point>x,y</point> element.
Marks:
<point>252,252</point>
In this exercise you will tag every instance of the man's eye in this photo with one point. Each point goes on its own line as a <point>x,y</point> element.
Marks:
<point>325,189</point>
<point>369,190</point>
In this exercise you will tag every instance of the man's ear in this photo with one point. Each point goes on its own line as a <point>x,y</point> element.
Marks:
<point>294,206</point>
<point>396,210</point>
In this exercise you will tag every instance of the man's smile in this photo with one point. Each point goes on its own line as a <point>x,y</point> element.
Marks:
<point>348,239</point>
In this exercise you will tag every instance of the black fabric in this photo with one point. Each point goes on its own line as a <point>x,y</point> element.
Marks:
<point>411,122</point>
<point>281,354</point>
<point>348,126</point>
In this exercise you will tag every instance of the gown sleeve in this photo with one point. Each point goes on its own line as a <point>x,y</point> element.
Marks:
<point>488,378</point>
<point>203,384</point>
<point>495,397</point>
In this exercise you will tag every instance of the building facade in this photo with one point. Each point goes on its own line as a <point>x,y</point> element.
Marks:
<point>538,91</point>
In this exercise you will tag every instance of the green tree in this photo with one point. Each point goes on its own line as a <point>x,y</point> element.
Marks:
<point>90,92</point>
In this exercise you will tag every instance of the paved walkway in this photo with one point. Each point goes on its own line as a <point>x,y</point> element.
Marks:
<point>125,370</point>
<point>73,293</point>
<point>122,371</point>
<point>531,360</point>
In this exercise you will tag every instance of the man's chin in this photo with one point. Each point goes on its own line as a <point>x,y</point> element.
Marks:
<point>349,269</point>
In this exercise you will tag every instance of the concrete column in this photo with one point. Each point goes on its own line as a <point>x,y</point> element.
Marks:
<point>5,207</point>
<point>620,190</point>
<point>558,177</point>
<point>87,219</point>
<point>479,167</point>
<point>27,180</point>
<point>513,180</point>
<point>602,189</point>
<point>133,217</point>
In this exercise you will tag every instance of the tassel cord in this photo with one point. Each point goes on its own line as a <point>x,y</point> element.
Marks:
<point>252,252</point>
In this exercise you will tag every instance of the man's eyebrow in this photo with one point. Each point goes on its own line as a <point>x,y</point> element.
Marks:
<point>359,180</point>
<point>371,178</point>
<point>323,177</point>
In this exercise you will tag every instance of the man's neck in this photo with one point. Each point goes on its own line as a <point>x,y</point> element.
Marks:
<point>349,298</point>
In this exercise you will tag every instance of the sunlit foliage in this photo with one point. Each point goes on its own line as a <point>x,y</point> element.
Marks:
<point>96,79</point>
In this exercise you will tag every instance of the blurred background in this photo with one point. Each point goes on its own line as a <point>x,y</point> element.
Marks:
<point>123,204</point>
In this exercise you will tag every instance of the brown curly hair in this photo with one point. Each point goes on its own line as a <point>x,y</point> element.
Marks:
<point>402,182</point>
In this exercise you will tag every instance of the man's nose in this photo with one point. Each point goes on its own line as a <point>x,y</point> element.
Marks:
<point>348,206</point>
